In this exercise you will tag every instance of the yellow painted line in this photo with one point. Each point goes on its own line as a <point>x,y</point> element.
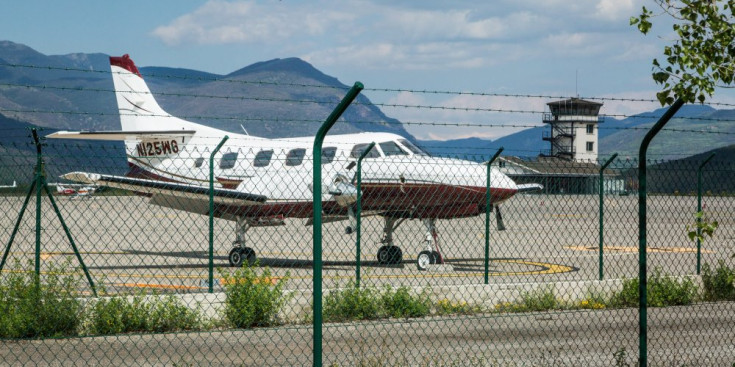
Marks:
<point>157,286</point>
<point>631,249</point>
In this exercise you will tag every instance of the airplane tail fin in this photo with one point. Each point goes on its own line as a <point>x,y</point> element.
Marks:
<point>139,110</point>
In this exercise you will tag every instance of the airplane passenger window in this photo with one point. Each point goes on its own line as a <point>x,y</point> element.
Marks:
<point>391,148</point>
<point>263,158</point>
<point>414,149</point>
<point>359,148</point>
<point>228,160</point>
<point>295,156</point>
<point>328,154</point>
<point>198,162</point>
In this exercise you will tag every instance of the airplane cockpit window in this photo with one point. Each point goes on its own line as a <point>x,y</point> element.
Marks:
<point>410,146</point>
<point>390,148</point>
<point>198,162</point>
<point>228,160</point>
<point>263,158</point>
<point>295,157</point>
<point>359,148</point>
<point>328,154</point>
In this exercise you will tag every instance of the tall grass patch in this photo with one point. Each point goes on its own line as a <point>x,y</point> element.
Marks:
<point>38,307</point>
<point>254,296</point>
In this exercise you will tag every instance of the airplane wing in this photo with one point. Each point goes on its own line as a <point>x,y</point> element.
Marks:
<point>167,189</point>
<point>119,135</point>
<point>530,187</point>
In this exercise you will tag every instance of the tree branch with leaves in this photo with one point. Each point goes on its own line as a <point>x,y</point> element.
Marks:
<point>702,57</point>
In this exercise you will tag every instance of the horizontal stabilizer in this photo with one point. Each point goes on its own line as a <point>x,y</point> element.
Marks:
<point>530,187</point>
<point>120,135</point>
<point>221,196</point>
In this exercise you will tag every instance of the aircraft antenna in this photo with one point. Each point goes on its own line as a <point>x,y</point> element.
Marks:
<point>243,129</point>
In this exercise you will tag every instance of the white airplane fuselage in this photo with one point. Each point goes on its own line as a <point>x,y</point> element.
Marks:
<point>258,179</point>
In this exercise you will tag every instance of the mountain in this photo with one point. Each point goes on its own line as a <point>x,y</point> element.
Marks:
<point>276,98</point>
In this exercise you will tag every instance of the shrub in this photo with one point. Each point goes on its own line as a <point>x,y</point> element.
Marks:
<point>400,303</point>
<point>662,291</point>
<point>122,315</point>
<point>352,303</point>
<point>37,307</point>
<point>718,285</point>
<point>252,297</point>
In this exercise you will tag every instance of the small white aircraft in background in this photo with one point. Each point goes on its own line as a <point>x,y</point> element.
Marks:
<point>260,181</point>
<point>75,189</point>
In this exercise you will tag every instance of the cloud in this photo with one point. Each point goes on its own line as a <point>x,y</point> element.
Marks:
<point>615,9</point>
<point>223,22</point>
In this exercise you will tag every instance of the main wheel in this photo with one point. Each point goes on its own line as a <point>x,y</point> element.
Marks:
<point>435,258</point>
<point>248,254</point>
<point>383,255</point>
<point>423,260</point>
<point>235,257</point>
<point>396,255</point>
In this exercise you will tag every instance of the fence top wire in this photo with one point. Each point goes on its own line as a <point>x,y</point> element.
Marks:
<point>216,78</point>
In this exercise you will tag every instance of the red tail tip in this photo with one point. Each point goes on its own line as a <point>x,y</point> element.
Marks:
<point>126,63</point>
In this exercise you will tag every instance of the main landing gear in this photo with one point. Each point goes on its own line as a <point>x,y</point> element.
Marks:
<point>240,253</point>
<point>390,254</point>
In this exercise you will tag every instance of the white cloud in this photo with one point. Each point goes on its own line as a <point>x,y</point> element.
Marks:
<point>615,9</point>
<point>221,22</point>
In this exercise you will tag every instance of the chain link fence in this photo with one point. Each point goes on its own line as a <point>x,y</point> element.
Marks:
<point>414,282</point>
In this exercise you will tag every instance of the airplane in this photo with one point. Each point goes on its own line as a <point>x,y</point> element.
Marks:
<point>260,181</point>
<point>75,189</point>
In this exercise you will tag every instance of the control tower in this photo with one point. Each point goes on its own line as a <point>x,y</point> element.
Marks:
<point>573,133</point>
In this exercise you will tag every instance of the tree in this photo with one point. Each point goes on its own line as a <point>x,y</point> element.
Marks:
<point>703,55</point>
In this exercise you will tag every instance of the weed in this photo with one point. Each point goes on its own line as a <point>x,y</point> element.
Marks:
<point>352,303</point>
<point>541,299</point>
<point>718,284</point>
<point>662,291</point>
<point>400,303</point>
<point>33,307</point>
<point>254,297</point>
<point>446,307</point>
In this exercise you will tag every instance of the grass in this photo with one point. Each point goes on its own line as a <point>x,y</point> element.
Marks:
<point>252,297</point>
<point>662,291</point>
<point>370,303</point>
<point>51,306</point>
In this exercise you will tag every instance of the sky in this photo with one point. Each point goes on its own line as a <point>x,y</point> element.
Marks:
<point>481,48</point>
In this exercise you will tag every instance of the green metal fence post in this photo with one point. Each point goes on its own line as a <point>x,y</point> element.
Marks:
<point>317,203</point>
<point>699,209</point>
<point>37,182</point>
<point>211,212</point>
<point>642,270</point>
<point>17,224</point>
<point>358,211</point>
<point>487,215</point>
<point>602,204</point>
<point>68,236</point>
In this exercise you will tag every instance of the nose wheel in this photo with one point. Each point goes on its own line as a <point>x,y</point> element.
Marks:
<point>427,258</point>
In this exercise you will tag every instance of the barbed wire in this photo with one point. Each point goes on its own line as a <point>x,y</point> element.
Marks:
<point>284,100</point>
<point>417,123</point>
<point>344,87</point>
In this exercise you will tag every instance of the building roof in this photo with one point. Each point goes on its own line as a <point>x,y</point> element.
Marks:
<point>552,166</point>
<point>574,101</point>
